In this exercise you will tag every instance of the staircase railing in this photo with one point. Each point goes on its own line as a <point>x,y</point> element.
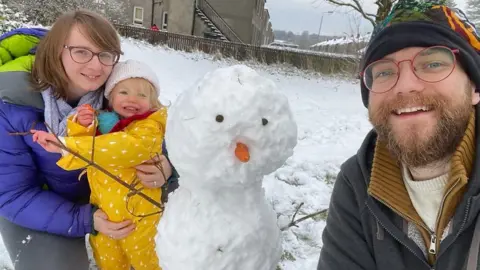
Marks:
<point>219,22</point>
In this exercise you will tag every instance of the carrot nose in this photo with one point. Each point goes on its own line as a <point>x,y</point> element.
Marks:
<point>241,152</point>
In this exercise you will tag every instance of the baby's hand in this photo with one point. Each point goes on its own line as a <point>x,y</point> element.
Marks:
<point>85,115</point>
<point>46,140</point>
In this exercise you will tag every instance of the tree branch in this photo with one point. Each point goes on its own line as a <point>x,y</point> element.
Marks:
<point>357,7</point>
<point>295,222</point>
<point>133,190</point>
<point>379,4</point>
<point>296,212</point>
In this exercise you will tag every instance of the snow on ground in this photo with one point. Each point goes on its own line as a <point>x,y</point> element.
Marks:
<point>332,123</point>
<point>4,259</point>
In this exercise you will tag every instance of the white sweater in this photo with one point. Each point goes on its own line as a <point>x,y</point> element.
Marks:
<point>426,196</point>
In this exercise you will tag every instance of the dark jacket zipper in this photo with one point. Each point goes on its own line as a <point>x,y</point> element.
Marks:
<point>433,237</point>
<point>396,238</point>
<point>462,227</point>
<point>432,248</point>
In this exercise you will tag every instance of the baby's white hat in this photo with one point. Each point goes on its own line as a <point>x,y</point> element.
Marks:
<point>131,69</point>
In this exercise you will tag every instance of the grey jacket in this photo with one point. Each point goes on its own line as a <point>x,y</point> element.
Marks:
<point>363,233</point>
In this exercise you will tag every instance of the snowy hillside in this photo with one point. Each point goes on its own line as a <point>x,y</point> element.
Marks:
<point>332,123</point>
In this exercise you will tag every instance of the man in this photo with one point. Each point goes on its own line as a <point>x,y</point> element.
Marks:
<point>409,199</point>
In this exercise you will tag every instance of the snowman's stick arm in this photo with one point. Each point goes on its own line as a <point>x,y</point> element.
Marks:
<point>295,222</point>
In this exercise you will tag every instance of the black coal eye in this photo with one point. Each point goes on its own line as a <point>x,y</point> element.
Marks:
<point>264,121</point>
<point>219,118</point>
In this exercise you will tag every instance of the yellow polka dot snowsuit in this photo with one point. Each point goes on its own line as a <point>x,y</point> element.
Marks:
<point>119,153</point>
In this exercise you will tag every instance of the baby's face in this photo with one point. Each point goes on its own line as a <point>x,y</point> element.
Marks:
<point>131,97</point>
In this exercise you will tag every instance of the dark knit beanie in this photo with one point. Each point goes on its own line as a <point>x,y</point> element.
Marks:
<point>423,24</point>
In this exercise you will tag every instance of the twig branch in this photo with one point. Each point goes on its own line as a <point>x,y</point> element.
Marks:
<point>357,7</point>
<point>296,212</point>
<point>98,167</point>
<point>295,222</point>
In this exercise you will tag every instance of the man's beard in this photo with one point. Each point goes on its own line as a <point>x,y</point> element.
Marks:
<point>414,148</point>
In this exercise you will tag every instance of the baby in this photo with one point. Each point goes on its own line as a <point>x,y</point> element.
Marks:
<point>128,134</point>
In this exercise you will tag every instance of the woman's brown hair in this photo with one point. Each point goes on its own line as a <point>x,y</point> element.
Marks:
<point>48,69</point>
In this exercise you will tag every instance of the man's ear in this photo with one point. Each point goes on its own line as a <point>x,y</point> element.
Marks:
<point>475,94</point>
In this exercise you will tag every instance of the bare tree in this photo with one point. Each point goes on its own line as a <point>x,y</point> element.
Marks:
<point>383,8</point>
<point>114,10</point>
<point>303,41</point>
<point>354,22</point>
<point>46,12</point>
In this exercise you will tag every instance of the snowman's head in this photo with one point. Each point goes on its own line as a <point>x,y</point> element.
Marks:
<point>230,129</point>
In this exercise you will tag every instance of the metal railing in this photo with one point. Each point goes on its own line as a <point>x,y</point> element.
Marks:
<point>219,22</point>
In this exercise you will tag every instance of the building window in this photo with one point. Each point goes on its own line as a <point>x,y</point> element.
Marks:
<point>138,15</point>
<point>165,21</point>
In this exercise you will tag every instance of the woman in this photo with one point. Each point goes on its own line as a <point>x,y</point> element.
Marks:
<point>44,216</point>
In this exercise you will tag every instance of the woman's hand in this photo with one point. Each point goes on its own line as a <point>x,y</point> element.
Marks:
<point>113,230</point>
<point>150,175</point>
<point>47,140</point>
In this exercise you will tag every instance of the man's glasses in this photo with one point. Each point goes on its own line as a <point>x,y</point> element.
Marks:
<point>433,64</point>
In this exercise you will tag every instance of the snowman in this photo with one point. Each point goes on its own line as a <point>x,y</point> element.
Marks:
<point>223,136</point>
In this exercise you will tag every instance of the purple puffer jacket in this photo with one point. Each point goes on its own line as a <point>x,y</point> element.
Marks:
<point>35,192</point>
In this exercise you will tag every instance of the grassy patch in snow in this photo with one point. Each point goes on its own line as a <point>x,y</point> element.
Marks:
<point>287,256</point>
<point>329,178</point>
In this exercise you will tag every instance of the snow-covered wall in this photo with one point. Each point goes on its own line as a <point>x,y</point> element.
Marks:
<point>345,45</point>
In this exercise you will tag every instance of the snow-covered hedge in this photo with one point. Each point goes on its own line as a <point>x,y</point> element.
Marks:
<point>10,19</point>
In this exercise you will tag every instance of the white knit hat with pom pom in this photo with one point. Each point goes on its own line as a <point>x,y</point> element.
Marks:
<point>131,69</point>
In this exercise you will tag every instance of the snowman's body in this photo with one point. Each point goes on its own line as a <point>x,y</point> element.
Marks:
<point>208,233</point>
<point>219,219</point>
